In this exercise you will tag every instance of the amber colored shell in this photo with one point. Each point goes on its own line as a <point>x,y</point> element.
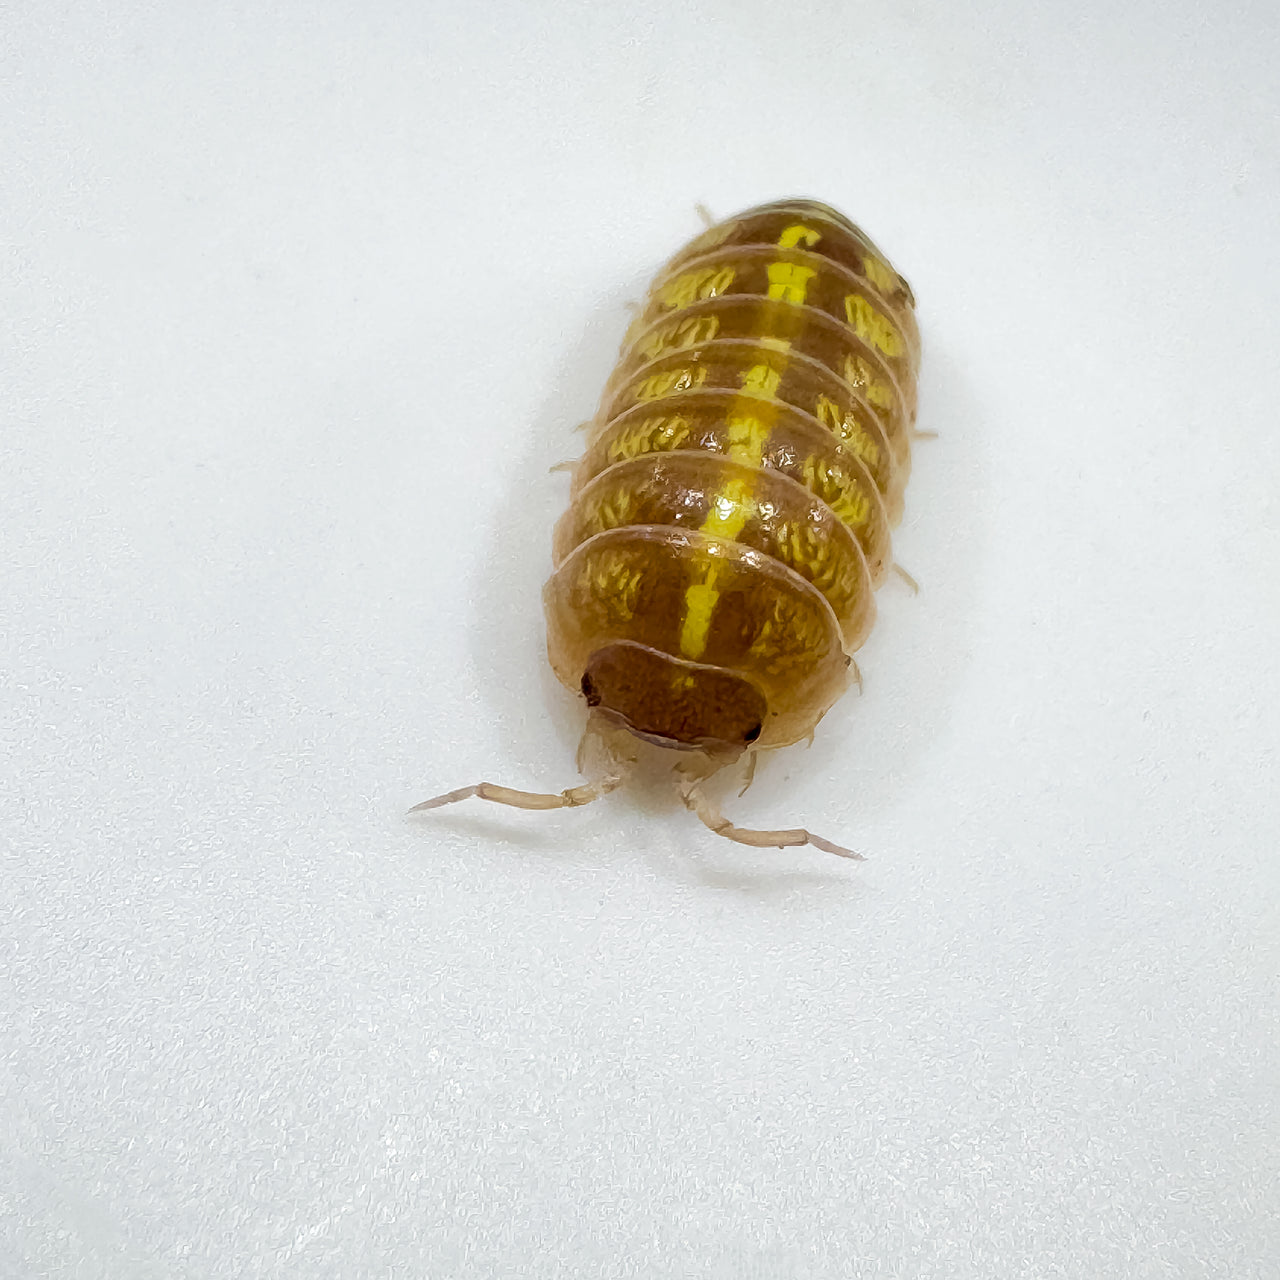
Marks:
<point>730,516</point>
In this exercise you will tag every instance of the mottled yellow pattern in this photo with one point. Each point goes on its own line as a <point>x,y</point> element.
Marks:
<point>879,273</point>
<point>657,434</point>
<point>838,490</point>
<point>873,326</point>
<point>864,379</point>
<point>731,513</point>
<point>680,337</point>
<point>791,632</point>
<point>613,509</point>
<point>793,282</point>
<point>696,286</point>
<point>846,428</point>
<point>612,581</point>
<point>804,548</point>
<point>659,385</point>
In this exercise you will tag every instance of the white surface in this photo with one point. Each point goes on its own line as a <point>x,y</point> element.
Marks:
<point>297,307</point>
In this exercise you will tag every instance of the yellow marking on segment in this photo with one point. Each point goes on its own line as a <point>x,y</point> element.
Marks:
<point>809,551</point>
<point>871,325</point>
<point>793,631</point>
<point>879,272</point>
<point>653,435</point>
<point>846,428</point>
<point>658,385</point>
<point>830,416</point>
<point>862,377</point>
<point>837,491</point>
<point>696,286</point>
<point>614,510</point>
<point>614,583</point>
<point>761,381</point>
<point>789,282</point>
<point>730,510</point>
<point>688,333</point>
<point>798,233</point>
<point>747,437</point>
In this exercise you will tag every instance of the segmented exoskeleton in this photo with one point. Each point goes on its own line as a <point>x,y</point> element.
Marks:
<point>730,516</point>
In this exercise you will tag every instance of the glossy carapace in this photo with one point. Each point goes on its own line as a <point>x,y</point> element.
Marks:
<point>730,515</point>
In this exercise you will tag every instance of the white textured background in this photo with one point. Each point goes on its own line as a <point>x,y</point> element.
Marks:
<point>297,304</point>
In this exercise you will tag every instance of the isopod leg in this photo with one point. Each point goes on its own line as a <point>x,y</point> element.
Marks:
<point>568,799</point>
<point>906,577</point>
<point>712,818</point>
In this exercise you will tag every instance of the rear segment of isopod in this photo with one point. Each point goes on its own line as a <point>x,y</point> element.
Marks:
<point>730,516</point>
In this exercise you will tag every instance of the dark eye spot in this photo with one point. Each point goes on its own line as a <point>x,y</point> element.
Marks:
<point>589,690</point>
<point>753,733</point>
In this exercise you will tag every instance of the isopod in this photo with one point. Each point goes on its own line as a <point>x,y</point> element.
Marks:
<point>730,516</point>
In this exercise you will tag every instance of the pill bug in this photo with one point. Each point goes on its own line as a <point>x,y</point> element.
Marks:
<point>730,516</point>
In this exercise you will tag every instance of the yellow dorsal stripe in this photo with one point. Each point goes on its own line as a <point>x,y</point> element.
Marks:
<point>798,233</point>
<point>748,436</point>
<point>732,507</point>
<point>762,381</point>
<point>700,599</point>
<point>789,282</point>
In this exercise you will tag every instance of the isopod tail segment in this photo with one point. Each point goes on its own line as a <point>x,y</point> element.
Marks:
<point>617,755</point>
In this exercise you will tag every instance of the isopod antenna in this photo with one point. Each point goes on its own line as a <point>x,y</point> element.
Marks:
<point>618,758</point>
<point>570,798</point>
<point>698,802</point>
<point>600,742</point>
